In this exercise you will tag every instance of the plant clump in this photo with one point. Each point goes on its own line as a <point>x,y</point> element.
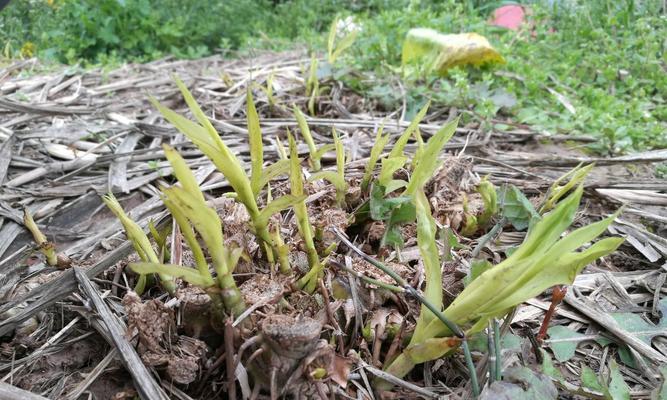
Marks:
<point>319,293</point>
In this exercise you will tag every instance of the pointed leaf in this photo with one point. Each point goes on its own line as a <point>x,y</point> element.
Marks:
<point>256,145</point>
<point>389,166</point>
<point>190,275</point>
<point>305,132</point>
<point>428,250</point>
<point>377,149</point>
<point>618,389</point>
<point>430,160</point>
<point>183,173</point>
<point>278,205</point>
<point>274,170</point>
<point>332,177</point>
<point>178,214</point>
<point>399,146</point>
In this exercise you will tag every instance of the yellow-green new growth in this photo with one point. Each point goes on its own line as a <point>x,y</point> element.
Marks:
<point>336,178</point>
<point>315,153</point>
<point>376,151</point>
<point>189,209</point>
<point>396,158</point>
<point>309,281</point>
<point>47,248</point>
<point>140,243</point>
<point>574,177</point>
<point>545,259</point>
<point>312,85</point>
<point>207,139</point>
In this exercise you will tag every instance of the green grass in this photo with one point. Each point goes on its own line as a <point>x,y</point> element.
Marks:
<point>580,52</point>
<point>606,58</point>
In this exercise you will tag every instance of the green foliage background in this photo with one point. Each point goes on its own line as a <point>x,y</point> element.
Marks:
<point>606,57</point>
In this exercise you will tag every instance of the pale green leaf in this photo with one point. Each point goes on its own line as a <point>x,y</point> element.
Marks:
<point>377,149</point>
<point>590,380</point>
<point>178,214</point>
<point>190,275</point>
<point>394,185</point>
<point>278,205</point>
<point>389,166</point>
<point>430,159</point>
<point>331,39</point>
<point>426,230</point>
<point>256,145</point>
<point>205,221</point>
<point>322,151</point>
<point>305,132</point>
<point>521,383</point>
<point>274,170</point>
<point>332,177</point>
<point>517,209</point>
<point>134,233</point>
<point>563,342</point>
<point>212,146</point>
<point>183,173</point>
<point>430,349</point>
<point>399,146</point>
<point>549,369</point>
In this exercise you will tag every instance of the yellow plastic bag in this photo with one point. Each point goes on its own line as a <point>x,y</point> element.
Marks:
<point>437,52</point>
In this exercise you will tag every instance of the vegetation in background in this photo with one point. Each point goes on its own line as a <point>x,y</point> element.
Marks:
<point>578,67</point>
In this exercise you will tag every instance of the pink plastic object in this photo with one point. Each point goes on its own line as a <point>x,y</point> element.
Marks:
<point>510,17</point>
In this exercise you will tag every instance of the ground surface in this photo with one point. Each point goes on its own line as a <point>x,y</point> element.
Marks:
<point>68,137</point>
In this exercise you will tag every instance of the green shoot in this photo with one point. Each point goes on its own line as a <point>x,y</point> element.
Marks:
<point>334,50</point>
<point>470,225</point>
<point>309,281</point>
<point>376,151</point>
<point>399,210</point>
<point>399,146</point>
<point>426,240</point>
<point>269,89</point>
<point>189,209</point>
<point>396,158</point>
<point>336,178</point>
<point>312,86</point>
<point>283,251</point>
<point>473,223</point>
<point>256,145</point>
<point>315,153</point>
<point>47,248</point>
<point>490,198</point>
<point>388,168</point>
<point>574,177</point>
<point>207,139</point>
<point>545,259</point>
<point>430,160</point>
<point>140,243</point>
<point>282,153</point>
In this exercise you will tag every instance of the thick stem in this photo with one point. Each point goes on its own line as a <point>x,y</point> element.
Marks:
<point>231,295</point>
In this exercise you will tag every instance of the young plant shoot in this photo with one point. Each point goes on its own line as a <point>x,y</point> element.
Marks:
<point>336,178</point>
<point>315,153</point>
<point>47,248</point>
<point>309,281</point>
<point>190,211</point>
<point>543,260</point>
<point>207,139</point>
<point>141,244</point>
